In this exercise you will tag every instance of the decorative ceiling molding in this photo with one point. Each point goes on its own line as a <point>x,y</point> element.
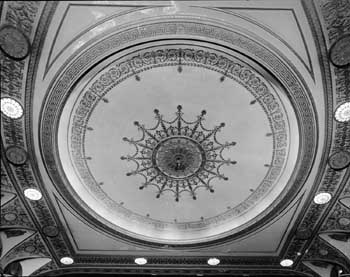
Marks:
<point>50,121</point>
<point>18,82</point>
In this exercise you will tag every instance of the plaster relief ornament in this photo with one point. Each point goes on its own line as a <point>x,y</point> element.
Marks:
<point>339,52</point>
<point>178,155</point>
<point>13,42</point>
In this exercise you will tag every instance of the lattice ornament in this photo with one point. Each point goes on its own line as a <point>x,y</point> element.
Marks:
<point>178,155</point>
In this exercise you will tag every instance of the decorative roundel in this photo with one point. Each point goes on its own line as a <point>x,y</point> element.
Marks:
<point>339,160</point>
<point>10,217</point>
<point>16,155</point>
<point>179,155</point>
<point>342,113</point>
<point>30,249</point>
<point>339,52</point>
<point>343,221</point>
<point>13,42</point>
<point>11,108</point>
<point>50,231</point>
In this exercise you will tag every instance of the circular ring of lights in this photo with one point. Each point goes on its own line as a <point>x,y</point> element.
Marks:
<point>32,194</point>
<point>213,261</point>
<point>67,260</point>
<point>322,198</point>
<point>286,262</point>
<point>141,261</point>
<point>11,108</point>
<point>342,112</point>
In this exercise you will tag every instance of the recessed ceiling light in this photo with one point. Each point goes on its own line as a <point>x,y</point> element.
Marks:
<point>286,262</point>
<point>141,261</point>
<point>342,113</point>
<point>67,260</point>
<point>11,108</point>
<point>213,261</point>
<point>322,198</point>
<point>32,194</point>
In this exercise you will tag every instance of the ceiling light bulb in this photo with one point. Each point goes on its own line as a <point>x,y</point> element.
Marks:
<point>213,261</point>
<point>322,198</point>
<point>342,113</point>
<point>11,108</point>
<point>67,260</point>
<point>286,262</point>
<point>32,194</point>
<point>141,261</point>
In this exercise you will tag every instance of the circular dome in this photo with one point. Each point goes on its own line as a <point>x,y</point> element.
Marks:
<point>179,154</point>
<point>176,142</point>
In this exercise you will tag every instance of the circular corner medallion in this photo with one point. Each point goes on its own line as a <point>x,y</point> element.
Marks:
<point>178,157</point>
<point>13,42</point>
<point>339,160</point>
<point>50,231</point>
<point>339,53</point>
<point>16,155</point>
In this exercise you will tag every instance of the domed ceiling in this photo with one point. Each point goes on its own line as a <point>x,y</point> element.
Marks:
<point>202,137</point>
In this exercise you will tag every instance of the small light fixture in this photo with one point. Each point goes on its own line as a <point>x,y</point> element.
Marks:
<point>141,261</point>
<point>213,261</point>
<point>342,113</point>
<point>286,262</point>
<point>322,198</point>
<point>11,108</point>
<point>67,260</point>
<point>32,194</point>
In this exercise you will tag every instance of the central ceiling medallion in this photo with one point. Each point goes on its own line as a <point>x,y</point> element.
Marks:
<point>178,155</point>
